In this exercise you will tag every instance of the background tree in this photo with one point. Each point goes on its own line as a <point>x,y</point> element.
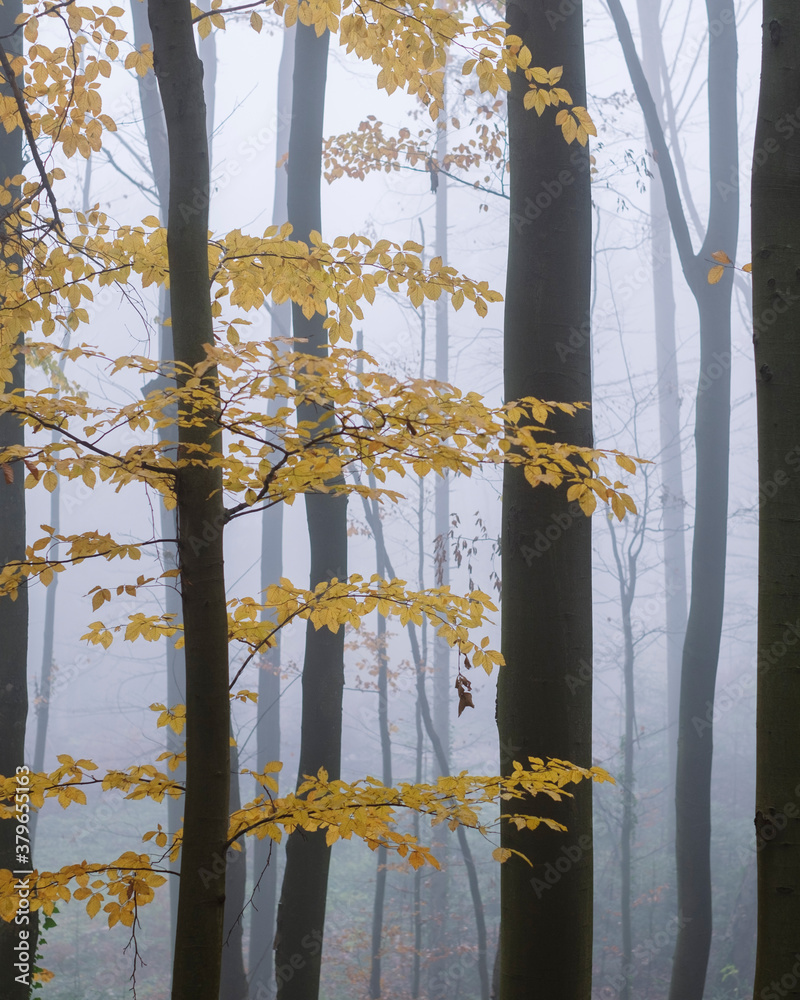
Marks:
<point>301,912</point>
<point>268,725</point>
<point>712,432</point>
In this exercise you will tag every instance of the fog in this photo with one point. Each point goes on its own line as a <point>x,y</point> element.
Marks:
<point>100,698</point>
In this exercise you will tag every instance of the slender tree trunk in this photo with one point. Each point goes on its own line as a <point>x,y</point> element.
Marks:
<point>268,727</point>
<point>670,457</point>
<point>546,933</point>
<point>198,937</point>
<point>13,613</point>
<point>233,982</point>
<point>627,591</point>
<point>422,666</point>
<point>416,963</point>
<point>712,427</point>
<point>386,757</point>
<point>776,294</point>
<point>438,917</point>
<point>301,913</point>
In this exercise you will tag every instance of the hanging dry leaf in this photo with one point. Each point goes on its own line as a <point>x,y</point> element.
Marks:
<point>464,688</point>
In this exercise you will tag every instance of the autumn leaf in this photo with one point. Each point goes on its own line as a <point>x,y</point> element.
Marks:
<point>464,687</point>
<point>715,274</point>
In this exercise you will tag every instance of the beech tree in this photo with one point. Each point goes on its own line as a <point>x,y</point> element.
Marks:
<point>546,940</point>
<point>199,503</point>
<point>775,208</point>
<point>712,432</point>
<point>268,726</point>
<point>301,912</point>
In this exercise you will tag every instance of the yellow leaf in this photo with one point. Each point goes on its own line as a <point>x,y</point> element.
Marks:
<point>501,854</point>
<point>721,257</point>
<point>715,274</point>
<point>748,268</point>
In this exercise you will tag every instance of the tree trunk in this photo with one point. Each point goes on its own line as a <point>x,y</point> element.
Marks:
<point>386,777</point>
<point>776,293</point>
<point>704,625</point>
<point>546,930</point>
<point>268,727</point>
<point>438,915</point>
<point>13,613</point>
<point>670,457</point>
<point>627,591</point>
<point>198,937</point>
<point>301,913</point>
<point>233,982</point>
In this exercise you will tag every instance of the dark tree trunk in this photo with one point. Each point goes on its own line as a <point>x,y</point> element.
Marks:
<point>268,727</point>
<point>701,644</point>
<point>546,933</point>
<point>13,613</point>
<point>776,294</point>
<point>198,937</point>
<point>301,913</point>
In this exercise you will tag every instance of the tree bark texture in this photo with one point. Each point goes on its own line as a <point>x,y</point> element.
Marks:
<point>198,937</point>
<point>776,295</point>
<point>546,934</point>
